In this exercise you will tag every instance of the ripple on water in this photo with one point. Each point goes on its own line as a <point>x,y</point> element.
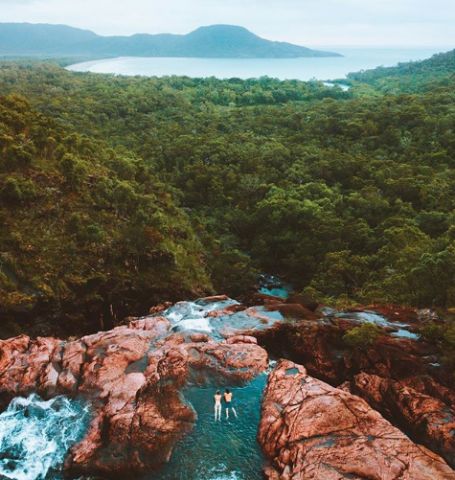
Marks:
<point>35,436</point>
<point>226,450</point>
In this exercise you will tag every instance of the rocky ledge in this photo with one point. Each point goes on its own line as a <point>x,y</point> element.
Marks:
<point>133,376</point>
<point>397,376</point>
<point>310,430</point>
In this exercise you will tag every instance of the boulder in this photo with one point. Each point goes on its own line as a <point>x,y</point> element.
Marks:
<point>306,300</point>
<point>310,430</point>
<point>242,339</point>
<point>292,310</point>
<point>428,419</point>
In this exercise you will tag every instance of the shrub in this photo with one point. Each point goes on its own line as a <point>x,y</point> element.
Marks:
<point>363,336</point>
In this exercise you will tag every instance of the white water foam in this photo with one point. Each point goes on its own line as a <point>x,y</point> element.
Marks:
<point>373,317</point>
<point>221,473</point>
<point>35,436</point>
<point>194,315</point>
<point>208,316</point>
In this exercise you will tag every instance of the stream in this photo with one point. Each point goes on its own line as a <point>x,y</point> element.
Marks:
<point>35,435</point>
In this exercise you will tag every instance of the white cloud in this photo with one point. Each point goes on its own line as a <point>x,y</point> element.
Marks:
<point>308,22</point>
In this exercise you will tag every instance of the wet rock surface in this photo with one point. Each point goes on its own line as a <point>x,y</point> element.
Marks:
<point>133,376</point>
<point>310,430</point>
<point>425,412</point>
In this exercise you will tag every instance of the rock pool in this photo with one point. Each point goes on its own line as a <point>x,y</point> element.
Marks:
<point>226,450</point>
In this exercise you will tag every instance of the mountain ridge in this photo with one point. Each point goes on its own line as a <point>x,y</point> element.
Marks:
<point>212,41</point>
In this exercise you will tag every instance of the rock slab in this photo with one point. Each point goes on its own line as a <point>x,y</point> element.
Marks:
<point>312,431</point>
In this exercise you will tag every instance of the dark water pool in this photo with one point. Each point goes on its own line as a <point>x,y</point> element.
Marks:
<point>225,450</point>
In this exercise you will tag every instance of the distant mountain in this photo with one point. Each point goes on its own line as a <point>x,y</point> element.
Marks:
<point>216,41</point>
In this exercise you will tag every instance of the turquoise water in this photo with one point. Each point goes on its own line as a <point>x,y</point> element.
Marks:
<point>274,286</point>
<point>35,436</point>
<point>324,68</point>
<point>225,450</point>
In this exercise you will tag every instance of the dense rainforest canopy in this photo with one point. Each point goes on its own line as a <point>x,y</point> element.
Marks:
<point>117,192</point>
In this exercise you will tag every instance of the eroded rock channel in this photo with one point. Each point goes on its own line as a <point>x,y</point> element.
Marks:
<point>143,397</point>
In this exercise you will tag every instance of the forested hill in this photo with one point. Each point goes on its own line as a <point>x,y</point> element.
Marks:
<point>220,41</point>
<point>118,192</point>
<point>409,76</point>
<point>87,232</point>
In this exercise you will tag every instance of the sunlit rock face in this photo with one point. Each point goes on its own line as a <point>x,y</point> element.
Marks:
<point>132,376</point>
<point>398,375</point>
<point>426,417</point>
<point>311,430</point>
<point>137,381</point>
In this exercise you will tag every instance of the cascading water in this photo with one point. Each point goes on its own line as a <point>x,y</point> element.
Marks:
<point>209,317</point>
<point>402,329</point>
<point>35,436</point>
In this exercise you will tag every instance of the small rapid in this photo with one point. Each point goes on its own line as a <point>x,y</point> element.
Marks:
<point>36,434</point>
<point>218,318</point>
<point>401,330</point>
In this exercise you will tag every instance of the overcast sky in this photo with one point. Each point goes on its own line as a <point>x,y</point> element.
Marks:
<point>306,22</point>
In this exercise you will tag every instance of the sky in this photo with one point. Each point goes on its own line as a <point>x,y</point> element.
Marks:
<point>305,22</point>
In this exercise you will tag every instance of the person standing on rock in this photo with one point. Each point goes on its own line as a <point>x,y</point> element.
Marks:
<point>229,401</point>
<point>218,398</point>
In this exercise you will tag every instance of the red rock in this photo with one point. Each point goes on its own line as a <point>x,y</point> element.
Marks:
<point>292,310</point>
<point>231,309</point>
<point>263,299</point>
<point>429,419</point>
<point>159,308</point>
<point>132,375</point>
<point>319,345</point>
<point>215,298</point>
<point>199,337</point>
<point>304,300</point>
<point>156,325</point>
<point>242,339</point>
<point>310,430</point>
<point>240,362</point>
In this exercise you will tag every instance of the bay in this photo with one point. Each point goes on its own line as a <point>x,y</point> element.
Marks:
<point>325,68</point>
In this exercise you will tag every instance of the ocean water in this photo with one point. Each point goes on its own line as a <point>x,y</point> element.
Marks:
<point>354,60</point>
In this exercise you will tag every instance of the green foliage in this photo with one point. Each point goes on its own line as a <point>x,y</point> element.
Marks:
<point>145,189</point>
<point>80,234</point>
<point>17,190</point>
<point>363,336</point>
<point>429,74</point>
<point>443,336</point>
